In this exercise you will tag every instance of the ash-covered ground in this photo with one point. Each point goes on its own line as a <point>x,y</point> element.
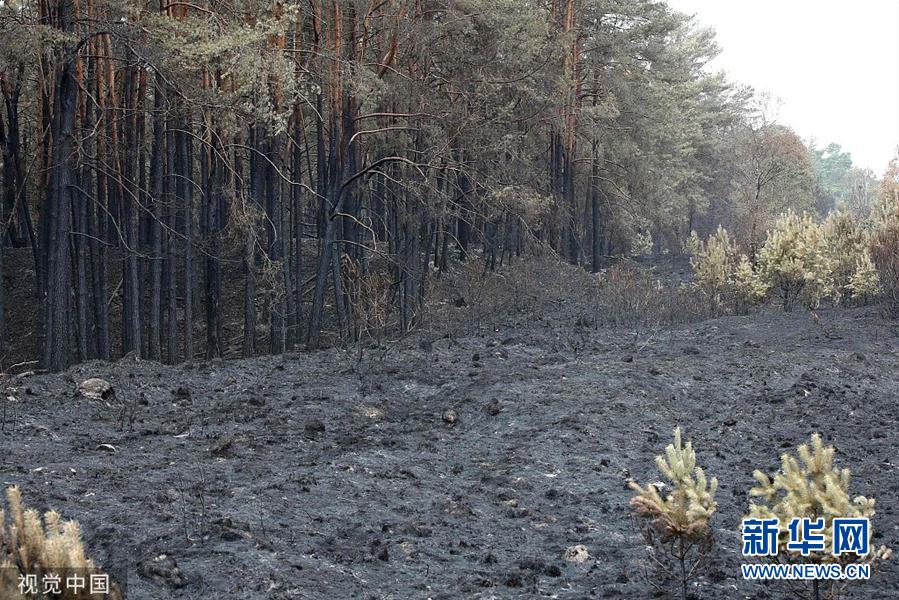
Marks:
<point>316,476</point>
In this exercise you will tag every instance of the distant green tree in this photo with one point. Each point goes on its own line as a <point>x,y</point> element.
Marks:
<point>832,186</point>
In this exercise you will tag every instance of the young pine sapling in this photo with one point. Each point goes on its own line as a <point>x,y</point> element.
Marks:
<point>676,527</point>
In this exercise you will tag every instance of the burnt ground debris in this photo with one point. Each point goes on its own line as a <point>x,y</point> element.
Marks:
<point>316,476</point>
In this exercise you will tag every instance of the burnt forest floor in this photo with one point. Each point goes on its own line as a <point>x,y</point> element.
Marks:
<point>313,475</point>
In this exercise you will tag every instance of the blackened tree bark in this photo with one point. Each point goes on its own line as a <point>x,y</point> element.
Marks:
<point>185,178</point>
<point>57,216</point>
<point>131,314</point>
<point>297,226</point>
<point>170,212</point>
<point>249,250</point>
<point>275,234</point>
<point>571,218</point>
<point>97,234</point>
<point>596,245</point>
<point>463,222</point>
<point>157,159</point>
<point>211,220</point>
<point>79,246</point>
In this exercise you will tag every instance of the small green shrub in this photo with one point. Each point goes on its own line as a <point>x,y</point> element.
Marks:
<point>746,286</point>
<point>713,263</point>
<point>812,487</point>
<point>794,261</point>
<point>852,275</point>
<point>676,527</point>
<point>884,252</point>
<point>801,260</point>
<point>865,281</point>
<point>725,275</point>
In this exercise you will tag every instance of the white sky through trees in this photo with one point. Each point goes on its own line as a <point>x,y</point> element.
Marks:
<point>832,64</point>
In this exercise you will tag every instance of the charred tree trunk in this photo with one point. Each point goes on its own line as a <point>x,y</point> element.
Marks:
<point>170,212</point>
<point>296,211</point>
<point>79,246</point>
<point>57,216</point>
<point>185,168</point>
<point>275,233</point>
<point>571,233</point>
<point>97,236</point>
<point>463,226</point>
<point>131,314</point>
<point>249,251</point>
<point>596,246</point>
<point>157,159</point>
<point>210,221</point>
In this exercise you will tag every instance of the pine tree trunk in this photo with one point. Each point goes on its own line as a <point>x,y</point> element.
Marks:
<point>97,232</point>
<point>131,315</point>
<point>210,220</point>
<point>172,204</point>
<point>275,244</point>
<point>56,353</point>
<point>596,246</point>
<point>249,252</point>
<point>157,160</point>
<point>297,212</point>
<point>81,288</point>
<point>185,168</point>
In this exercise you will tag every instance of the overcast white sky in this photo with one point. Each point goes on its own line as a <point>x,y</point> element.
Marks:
<point>834,65</point>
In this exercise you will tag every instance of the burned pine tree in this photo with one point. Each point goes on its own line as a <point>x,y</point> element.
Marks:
<point>243,176</point>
